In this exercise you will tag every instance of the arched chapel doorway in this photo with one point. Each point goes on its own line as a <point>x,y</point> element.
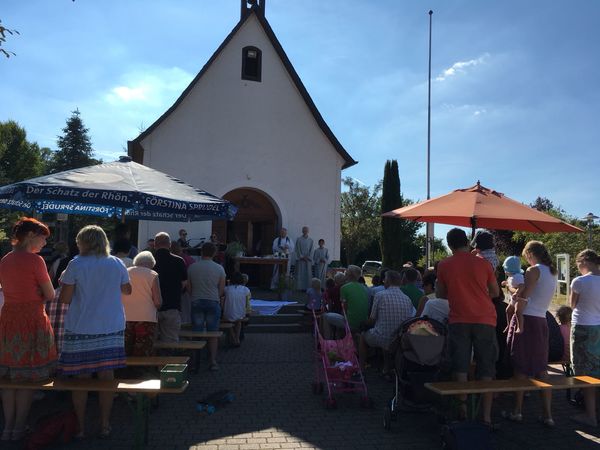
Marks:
<point>254,224</point>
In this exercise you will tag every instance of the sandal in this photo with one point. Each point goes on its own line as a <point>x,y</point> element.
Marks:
<point>548,423</point>
<point>513,417</point>
<point>105,433</point>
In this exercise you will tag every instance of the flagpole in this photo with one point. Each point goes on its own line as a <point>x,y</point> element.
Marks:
<point>429,227</point>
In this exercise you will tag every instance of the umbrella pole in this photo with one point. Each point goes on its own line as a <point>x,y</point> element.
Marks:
<point>473,226</point>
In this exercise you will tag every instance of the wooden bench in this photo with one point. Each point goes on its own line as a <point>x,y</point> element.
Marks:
<point>180,345</point>
<point>200,334</point>
<point>141,388</point>
<point>155,361</point>
<point>222,326</point>
<point>471,388</point>
<point>193,346</point>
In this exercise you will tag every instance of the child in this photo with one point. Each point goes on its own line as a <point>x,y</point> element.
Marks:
<point>314,295</point>
<point>484,247</point>
<point>515,283</point>
<point>564,317</point>
<point>234,309</point>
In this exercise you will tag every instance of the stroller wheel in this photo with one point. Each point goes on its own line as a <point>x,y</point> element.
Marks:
<point>330,403</point>
<point>366,403</point>
<point>387,418</point>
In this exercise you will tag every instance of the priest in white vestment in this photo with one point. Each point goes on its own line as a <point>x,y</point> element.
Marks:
<point>303,251</point>
<point>282,247</point>
<point>321,262</point>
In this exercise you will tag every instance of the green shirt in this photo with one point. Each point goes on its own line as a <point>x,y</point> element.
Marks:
<point>357,303</point>
<point>414,293</point>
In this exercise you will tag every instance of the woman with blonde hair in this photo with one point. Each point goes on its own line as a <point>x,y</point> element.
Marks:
<point>585,328</point>
<point>529,350</point>
<point>27,351</point>
<point>92,284</point>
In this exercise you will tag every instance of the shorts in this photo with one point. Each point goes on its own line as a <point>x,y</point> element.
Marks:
<point>477,339</point>
<point>376,340</point>
<point>206,315</point>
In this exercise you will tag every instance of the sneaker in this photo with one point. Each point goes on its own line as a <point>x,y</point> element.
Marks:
<point>213,367</point>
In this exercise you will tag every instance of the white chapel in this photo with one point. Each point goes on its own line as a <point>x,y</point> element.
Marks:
<point>246,129</point>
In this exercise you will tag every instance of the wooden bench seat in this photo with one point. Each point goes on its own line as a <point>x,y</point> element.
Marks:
<point>482,386</point>
<point>222,326</point>
<point>200,334</point>
<point>181,345</point>
<point>156,361</point>
<point>141,388</point>
<point>554,382</point>
<point>89,384</point>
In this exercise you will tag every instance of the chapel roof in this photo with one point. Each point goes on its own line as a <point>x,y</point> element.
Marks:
<point>135,145</point>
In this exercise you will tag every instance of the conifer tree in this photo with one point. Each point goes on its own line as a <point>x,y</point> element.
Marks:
<point>75,146</point>
<point>398,236</point>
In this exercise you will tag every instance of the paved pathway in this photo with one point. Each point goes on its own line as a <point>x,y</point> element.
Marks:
<point>274,408</point>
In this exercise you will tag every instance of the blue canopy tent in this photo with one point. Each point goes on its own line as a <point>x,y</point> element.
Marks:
<point>122,189</point>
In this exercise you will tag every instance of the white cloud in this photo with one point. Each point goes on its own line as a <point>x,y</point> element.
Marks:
<point>150,86</point>
<point>461,67</point>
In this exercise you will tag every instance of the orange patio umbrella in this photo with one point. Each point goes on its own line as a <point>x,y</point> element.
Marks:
<point>480,207</point>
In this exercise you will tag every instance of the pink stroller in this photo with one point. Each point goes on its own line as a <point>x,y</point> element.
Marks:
<point>337,367</point>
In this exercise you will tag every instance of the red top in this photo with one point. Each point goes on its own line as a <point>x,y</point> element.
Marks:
<point>21,274</point>
<point>467,277</point>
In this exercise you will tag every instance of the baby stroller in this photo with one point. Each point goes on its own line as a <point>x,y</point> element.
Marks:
<point>419,353</point>
<point>337,367</point>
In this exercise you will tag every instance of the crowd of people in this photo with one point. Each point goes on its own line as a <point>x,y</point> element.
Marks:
<point>488,336</point>
<point>82,315</point>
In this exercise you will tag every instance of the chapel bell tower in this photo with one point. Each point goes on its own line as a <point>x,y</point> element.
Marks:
<point>248,5</point>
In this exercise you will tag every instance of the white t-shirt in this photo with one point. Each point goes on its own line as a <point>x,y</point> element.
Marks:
<point>542,293</point>
<point>515,280</point>
<point>235,302</point>
<point>587,311</point>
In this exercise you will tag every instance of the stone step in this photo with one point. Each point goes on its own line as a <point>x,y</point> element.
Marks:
<point>274,328</point>
<point>277,319</point>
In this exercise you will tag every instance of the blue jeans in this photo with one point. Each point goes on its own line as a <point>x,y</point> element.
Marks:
<point>206,315</point>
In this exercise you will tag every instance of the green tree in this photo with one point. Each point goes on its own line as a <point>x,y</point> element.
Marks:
<point>19,158</point>
<point>75,147</point>
<point>397,235</point>
<point>360,207</point>
<point>438,249</point>
<point>571,243</point>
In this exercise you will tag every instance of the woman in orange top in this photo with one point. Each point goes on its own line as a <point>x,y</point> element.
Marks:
<point>27,351</point>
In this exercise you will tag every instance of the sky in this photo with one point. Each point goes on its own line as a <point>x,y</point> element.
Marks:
<point>515,98</point>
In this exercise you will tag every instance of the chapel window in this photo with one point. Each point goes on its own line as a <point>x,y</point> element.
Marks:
<point>251,63</point>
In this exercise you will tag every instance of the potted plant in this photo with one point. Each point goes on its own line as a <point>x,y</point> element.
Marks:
<point>235,249</point>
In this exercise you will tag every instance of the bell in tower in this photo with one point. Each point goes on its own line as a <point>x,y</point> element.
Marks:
<point>249,5</point>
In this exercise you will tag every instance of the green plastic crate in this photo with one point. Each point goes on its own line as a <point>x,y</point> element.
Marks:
<point>173,375</point>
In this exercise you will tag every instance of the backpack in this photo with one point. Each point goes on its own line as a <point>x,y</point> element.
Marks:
<point>54,428</point>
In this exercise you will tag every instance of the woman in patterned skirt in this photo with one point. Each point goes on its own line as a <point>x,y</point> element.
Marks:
<point>92,284</point>
<point>585,331</point>
<point>27,351</point>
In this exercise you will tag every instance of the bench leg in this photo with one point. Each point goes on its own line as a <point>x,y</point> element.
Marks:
<point>140,437</point>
